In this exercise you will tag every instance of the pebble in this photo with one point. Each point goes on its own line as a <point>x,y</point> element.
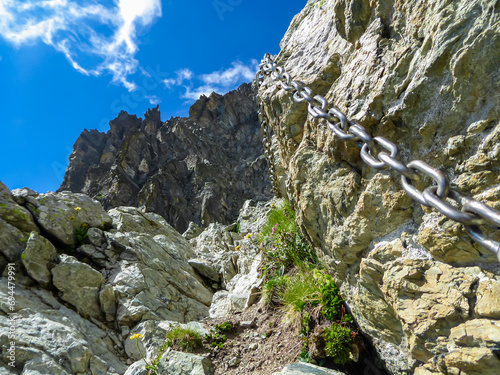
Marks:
<point>233,362</point>
<point>253,346</point>
<point>247,323</point>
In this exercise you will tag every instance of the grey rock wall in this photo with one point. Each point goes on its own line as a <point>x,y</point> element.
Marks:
<point>85,278</point>
<point>425,75</point>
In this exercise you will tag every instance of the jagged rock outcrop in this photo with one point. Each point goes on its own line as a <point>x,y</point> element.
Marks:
<point>200,169</point>
<point>425,75</point>
<point>85,278</point>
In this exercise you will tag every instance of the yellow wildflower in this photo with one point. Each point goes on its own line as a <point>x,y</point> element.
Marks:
<point>77,209</point>
<point>237,248</point>
<point>137,336</point>
<point>248,235</point>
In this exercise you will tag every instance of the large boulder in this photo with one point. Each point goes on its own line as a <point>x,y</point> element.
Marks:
<point>38,257</point>
<point>61,215</point>
<point>16,224</point>
<point>51,338</point>
<point>178,363</point>
<point>150,275</point>
<point>78,284</point>
<point>424,76</point>
<point>14,214</point>
<point>12,241</point>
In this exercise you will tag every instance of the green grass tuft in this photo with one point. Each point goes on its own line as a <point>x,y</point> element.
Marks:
<point>187,339</point>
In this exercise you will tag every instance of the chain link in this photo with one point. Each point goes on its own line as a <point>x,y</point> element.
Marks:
<point>472,214</point>
<point>267,139</point>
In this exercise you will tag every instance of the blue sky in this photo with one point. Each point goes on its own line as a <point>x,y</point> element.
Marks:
<point>69,65</point>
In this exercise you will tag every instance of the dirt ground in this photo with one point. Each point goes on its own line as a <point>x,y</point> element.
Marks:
<point>262,344</point>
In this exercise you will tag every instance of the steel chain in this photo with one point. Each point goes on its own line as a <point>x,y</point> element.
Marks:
<point>472,214</point>
<point>267,141</point>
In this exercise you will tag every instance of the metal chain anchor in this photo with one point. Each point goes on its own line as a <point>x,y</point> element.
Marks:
<point>472,214</point>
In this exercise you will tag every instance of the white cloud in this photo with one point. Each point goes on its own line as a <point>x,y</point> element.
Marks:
<point>182,75</point>
<point>194,94</point>
<point>70,27</point>
<point>220,81</point>
<point>229,77</point>
<point>153,99</point>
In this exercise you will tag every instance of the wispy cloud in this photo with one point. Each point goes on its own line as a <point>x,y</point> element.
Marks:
<point>182,75</point>
<point>195,93</point>
<point>70,27</point>
<point>153,99</point>
<point>220,81</point>
<point>238,72</point>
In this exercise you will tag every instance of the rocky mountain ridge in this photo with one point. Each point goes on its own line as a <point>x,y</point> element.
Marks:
<point>198,169</point>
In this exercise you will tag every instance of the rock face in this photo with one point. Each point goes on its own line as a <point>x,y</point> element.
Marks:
<point>179,363</point>
<point>306,369</point>
<point>200,169</point>
<point>232,260</point>
<point>85,278</point>
<point>425,76</point>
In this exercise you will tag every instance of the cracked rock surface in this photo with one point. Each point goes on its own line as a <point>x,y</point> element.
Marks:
<point>77,298</point>
<point>424,75</point>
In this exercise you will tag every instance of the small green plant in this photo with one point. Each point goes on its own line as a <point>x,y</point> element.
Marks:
<point>305,356</point>
<point>321,3</point>
<point>347,318</point>
<point>187,339</point>
<point>224,327</point>
<point>285,246</point>
<point>153,366</point>
<point>217,337</point>
<point>280,218</point>
<point>306,324</point>
<point>81,234</point>
<point>300,292</point>
<point>328,296</point>
<point>338,341</point>
<point>273,289</point>
<point>236,227</point>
